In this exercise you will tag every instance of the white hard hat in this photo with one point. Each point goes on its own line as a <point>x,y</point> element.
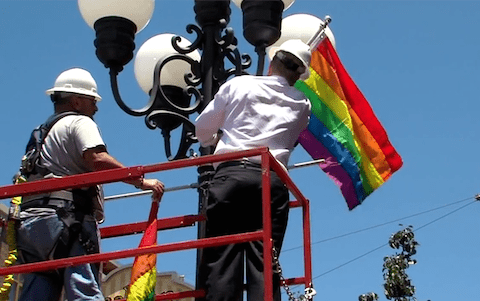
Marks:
<point>75,80</point>
<point>299,49</point>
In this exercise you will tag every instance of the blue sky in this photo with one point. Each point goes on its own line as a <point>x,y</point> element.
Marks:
<point>416,62</point>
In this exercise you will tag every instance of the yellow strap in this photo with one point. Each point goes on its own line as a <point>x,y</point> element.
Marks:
<point>12,246</point>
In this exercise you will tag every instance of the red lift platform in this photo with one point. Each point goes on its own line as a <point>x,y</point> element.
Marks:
<point>268,163</point>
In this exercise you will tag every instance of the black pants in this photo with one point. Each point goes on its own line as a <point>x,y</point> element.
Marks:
<point>235,206</point>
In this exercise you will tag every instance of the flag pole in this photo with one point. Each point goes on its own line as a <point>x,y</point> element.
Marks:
<point>320,34</point>
<point>147,192</point>
<point>195,185</point>
<point>305,164</point>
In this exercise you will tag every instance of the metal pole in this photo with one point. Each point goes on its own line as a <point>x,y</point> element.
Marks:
<point>267,228</point>
<point>148,192</point>
<point>196,185</point>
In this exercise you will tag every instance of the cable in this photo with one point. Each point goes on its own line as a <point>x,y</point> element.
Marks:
<point>369,252</point>
<point>379,225</point>
<point>396,220</point>
<point>427,224</point>
<point>350,261</point>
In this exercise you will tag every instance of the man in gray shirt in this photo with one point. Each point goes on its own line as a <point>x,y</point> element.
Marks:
<point>64,223</point>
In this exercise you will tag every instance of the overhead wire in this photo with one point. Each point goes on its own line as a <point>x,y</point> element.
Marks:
<point>379,225</point>
<point>445,215</point>
<point>383,245</point>
<point>477,198</point>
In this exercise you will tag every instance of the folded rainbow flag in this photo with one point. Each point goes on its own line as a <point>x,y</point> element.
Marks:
<point>144,272</point>
<point>344,130</point>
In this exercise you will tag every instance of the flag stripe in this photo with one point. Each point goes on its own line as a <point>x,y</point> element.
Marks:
<point>144,287</point>
<point>343,155</point>
<point>336,132</point>
<point>144,274</point>
<point>339,122</point>
<point>344,129</point>
<point>143,264</point>
<point>351,190</point>
<point>360,105</point>
<point>329,82</point>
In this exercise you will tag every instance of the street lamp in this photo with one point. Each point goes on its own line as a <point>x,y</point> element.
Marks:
<point>165,75</point>
<point>116,22</point>
<point>262,21</point>
<point>172,70</point>
<point>186,73</point>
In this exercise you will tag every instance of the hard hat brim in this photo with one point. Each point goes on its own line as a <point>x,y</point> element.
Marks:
<point>75,91</point>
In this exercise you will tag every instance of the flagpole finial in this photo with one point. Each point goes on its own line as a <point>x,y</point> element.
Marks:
<point>320,34</point>
<point>328,19</point>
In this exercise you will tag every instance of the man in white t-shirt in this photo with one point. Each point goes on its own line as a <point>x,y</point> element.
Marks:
<point>64,223</point>
<point>249,112</point>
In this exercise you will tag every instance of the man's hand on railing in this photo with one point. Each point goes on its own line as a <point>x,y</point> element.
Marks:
<point>155,186</point>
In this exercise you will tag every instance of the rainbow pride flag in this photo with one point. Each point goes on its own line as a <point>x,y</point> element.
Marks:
<point>144,272</point>
<point>344,130</point>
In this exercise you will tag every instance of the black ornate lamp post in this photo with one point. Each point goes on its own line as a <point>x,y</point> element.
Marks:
<point>115,24</point>
<point>171,69</point>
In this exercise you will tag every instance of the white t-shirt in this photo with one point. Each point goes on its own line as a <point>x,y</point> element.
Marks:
<point>62,151</point>
<point>255,111</point>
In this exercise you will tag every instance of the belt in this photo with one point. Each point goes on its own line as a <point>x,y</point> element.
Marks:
<point>57,199</point>
<point>243,163</point>
<point>47,203</point>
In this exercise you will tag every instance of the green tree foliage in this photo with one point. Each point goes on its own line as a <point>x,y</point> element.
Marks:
<point>368,297</point>
<point>397,284</point>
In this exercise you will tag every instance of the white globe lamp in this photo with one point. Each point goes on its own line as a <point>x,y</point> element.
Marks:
<point>155,50</point>
<point>137,11</point>
<point>300,26</point>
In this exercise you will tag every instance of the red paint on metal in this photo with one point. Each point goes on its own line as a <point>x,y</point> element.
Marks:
<point>162,224</point>
<point>164,248</point>
<point>267,228</point>
<point>109,176</point>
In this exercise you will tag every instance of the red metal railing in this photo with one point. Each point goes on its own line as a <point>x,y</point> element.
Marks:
<point>121,174</point>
